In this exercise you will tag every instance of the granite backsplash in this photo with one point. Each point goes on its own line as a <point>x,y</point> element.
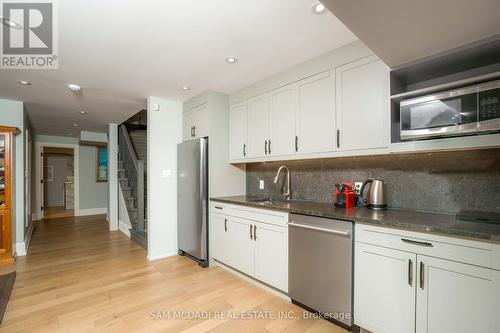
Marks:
<point>438,181</point>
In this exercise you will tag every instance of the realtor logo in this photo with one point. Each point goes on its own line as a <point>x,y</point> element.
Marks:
<point>29,34</point>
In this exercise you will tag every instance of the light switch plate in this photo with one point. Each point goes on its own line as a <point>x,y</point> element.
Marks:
<point>261,184</point>
<point>357,187</point>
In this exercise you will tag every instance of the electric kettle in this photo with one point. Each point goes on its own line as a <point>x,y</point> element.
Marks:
<point>375,194</point>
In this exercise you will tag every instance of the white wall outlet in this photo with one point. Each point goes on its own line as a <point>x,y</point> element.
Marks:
<point>167,173</point>
<point>357,187</point>
<point>261,184</point>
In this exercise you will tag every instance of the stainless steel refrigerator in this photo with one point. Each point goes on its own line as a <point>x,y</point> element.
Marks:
<point>192,199</point>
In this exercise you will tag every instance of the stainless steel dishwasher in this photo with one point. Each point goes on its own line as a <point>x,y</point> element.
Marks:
<point>320,266</point>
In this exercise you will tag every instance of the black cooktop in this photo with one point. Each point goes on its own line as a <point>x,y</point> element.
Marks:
<point>479,216</point>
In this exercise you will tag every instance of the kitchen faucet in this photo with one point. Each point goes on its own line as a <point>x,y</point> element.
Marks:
<point>286,187</point>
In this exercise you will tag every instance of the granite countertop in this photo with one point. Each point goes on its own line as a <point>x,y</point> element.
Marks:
<point>417,221</point>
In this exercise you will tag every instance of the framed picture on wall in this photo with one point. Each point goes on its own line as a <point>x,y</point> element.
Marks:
<point>101,165</point>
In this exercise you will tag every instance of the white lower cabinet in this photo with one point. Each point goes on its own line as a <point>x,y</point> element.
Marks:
<point>220,239</point>
<point>241,247</point>
<point>384,298</point>
<point>271,255</point>
<point>256,246</point>
<point>455,297</point>
<point>408,288</point>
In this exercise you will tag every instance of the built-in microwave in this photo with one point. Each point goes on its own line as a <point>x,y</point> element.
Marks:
<point>465,111</point>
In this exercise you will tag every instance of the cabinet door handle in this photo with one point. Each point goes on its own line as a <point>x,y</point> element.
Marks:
<point>269,147</point>
<point>251,233</point>
<point>422,275</point>
<point>254,232</point>
<point>244,150</point>
<point>194,131</point>
<point>217,207</point>
<point>414,242</point>
<point>265,147</point>
<point>410,272</point>
<point>296,143</point>
<point>338,139</point>
<point>225,225</point>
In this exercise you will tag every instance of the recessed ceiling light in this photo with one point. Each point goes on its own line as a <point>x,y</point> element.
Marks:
<point>231,60</point>
<point>24,83</point>
<point>82,112</point>
<point>318,8</point>
<point>185,88</point>
<point>11,23</point>
<point>74,87</point>
<point>75,125</point>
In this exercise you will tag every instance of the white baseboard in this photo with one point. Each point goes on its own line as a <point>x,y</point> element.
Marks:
<point>91,211</point>
<point>124,227</point>
<point>20,249</point>
<point>27,237</point>
<point>250,279</point>
<point>161,256</point>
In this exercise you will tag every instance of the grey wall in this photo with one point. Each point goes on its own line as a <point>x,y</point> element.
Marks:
<point>441,181</point>
<point>54,190</point>
<point>92,194</point>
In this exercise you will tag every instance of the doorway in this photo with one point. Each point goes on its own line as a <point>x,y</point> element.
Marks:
<point>58,182</point>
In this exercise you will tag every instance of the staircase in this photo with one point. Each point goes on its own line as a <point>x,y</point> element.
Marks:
<point>132,155</point>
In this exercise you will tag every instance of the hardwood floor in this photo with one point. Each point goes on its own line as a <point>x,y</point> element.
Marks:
<point>57,212</point>
<point>79,277</point>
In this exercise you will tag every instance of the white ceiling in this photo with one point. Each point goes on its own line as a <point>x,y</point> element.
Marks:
<point>400,32</point>
<point>123,51</point>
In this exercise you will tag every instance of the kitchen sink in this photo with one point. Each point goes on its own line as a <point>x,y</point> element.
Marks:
<point>263,200</point>
<point>270,201</point>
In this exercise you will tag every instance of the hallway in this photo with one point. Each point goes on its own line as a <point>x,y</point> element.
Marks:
<point>79,277</point>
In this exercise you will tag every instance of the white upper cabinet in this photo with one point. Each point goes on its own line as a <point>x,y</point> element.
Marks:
<point>195,123</point>
<point>344,111</point>
<point>202,121</point>
<point>188,125</point>
<point>363,106</point>
<point>315,114</point>
<point>282,121</point>
<point>258,126</point>
<point>238,131</point>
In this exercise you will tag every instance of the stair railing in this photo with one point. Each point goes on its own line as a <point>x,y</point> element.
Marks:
<point>135,173</point>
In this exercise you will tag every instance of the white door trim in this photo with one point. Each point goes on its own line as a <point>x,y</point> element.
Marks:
<point>39,173</point>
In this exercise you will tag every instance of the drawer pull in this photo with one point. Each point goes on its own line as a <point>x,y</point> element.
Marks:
<point>331,231</point>
<point>414,242</point>
<point>410,272</point>
<point>218,207</point>
<point>422,275</point>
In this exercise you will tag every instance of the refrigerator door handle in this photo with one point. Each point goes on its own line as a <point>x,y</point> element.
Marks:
<point>204,197</point>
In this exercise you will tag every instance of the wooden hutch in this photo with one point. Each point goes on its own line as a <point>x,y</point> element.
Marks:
<point>6,193</point>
